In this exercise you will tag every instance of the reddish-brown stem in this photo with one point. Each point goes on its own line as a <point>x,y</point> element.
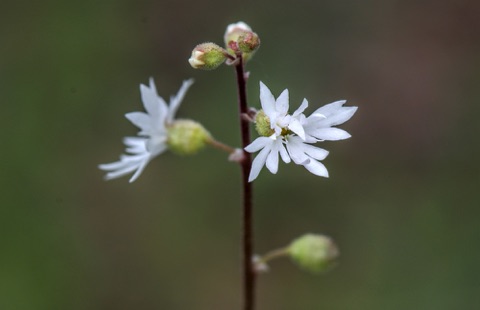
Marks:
<point>247,214</point>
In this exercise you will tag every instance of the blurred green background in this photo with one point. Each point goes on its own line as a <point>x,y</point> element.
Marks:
<point>402,201</point>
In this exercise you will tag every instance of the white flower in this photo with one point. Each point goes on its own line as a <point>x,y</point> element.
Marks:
<point>152,137</point>
<point>292,136</point>
<point>277,112</point>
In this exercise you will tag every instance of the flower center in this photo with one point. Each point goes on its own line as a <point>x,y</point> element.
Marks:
<point>263,125</point>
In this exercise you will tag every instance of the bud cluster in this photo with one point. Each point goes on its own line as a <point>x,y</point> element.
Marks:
<point>240,41</point>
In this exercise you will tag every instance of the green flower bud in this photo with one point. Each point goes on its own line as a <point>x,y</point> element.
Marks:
<point>314,253</point>
<point>186,137</point>
<point>248,42</point>
<point>262,124</point>
<point>207,56</point>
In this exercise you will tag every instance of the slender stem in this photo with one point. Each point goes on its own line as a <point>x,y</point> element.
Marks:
<point>260,263</point>
<point>247,216</point>
<point>273,254</point>
<point>221,146</point>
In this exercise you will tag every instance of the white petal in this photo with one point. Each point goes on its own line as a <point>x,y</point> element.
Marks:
<point>112,166</point>
<point>141,120</point>
<point>301,108</point>
<point>309,138</point>
<point>137,146</point>
<point>157,145</point>
<point>295,149</point>
<point>126,169</point>
<point>317,168</point>
<point>134,158</point>
<point>135,142</point>
<point>334,114</point>
<point>154,104</point>
<point>272,158</point>
<point>297,128</point>
<point>119,173</point>
<point>283,153</point>
<point>129,163</point>
<point>315,152</point>
<point>317,116</point>
<point>135,149</point>
<point>281,105</point>
<point>257,144</point>
<point>139,170</point>
<point>277,129</point>
<point>153,88</point>
<point>330,134</point>
<point>331,108</point>
<point>176,100</point>
<point>268,102</point>
<point>258,163</point>
<point>126,165</point>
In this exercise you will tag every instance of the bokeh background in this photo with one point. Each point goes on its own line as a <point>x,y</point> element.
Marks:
<point>402,201</point>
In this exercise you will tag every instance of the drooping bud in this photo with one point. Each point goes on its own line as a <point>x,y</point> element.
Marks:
<point>186,137</point>
<point>262,124</point>
<point>207,56</point>
<point>239,38</point>
<point>234,31</point>
<point>314,253</point>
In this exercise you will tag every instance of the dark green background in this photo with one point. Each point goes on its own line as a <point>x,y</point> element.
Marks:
<point>402,201</point>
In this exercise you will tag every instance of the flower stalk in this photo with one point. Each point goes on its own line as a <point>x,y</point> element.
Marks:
<point>221,146</point>
<point>277,253</point>
<point>247,212</point>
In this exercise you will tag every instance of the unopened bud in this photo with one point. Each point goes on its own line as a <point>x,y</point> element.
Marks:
<point>234,31</point>
<point>186,137</point>
<point>314,253</point>
<point>239,38</point>
<point>248,42</point>
<point>207,56</point>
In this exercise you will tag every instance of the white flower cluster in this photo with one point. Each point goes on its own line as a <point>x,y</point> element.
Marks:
<point>152,137</point>
<point>292,136</point>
